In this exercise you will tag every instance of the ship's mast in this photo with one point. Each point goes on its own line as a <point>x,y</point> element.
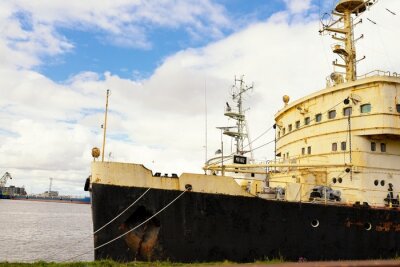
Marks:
<point>241,133</point>
<point>105,127</point>
<point>343,29</point>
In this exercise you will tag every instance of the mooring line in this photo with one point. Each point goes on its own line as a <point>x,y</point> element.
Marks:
<point>105,225</point>
<point>127,232</point>
<point>98,230</point>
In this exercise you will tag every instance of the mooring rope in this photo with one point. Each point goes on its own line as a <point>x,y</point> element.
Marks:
<point>127,232</point>
<point>116,217</point>
<point>105,225</point>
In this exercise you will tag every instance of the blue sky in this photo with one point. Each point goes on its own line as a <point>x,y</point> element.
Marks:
<point>161,60</point>
<point>93,52</point>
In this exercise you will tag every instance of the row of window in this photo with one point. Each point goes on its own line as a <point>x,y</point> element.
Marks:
<point>338,180</point>
<point>373,147</point>
<point>376,182</point>
<point>303,152</point>
<point>343,147</point>
<point>347,111</point>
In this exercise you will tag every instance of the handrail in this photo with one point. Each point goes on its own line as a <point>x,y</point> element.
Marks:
<point>379,73</point>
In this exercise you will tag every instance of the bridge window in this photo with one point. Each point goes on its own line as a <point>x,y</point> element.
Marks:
<point>383,147</point>
<point>398,108</point>
<point>373,146</point>
<point>309,150</point>
<point>307,121</point>
<point>279,134</point>
<point>332,114</point>
<point>290,127</point>
<point>365,108</point>
<point>283,131</point>
<point>343,146</point>
<point>334,146</point>
<point>303,150</point>
<point>297,124</point>
<point>347,111</point>
<point>318,117</point>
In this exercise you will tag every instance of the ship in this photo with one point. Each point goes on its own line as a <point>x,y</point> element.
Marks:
<point>329,193</point>
<point>58,199</point>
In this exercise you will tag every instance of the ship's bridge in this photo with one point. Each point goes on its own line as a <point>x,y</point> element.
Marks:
<point>355,123</point>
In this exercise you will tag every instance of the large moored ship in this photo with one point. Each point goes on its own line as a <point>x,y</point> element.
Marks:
<point>331,192</point>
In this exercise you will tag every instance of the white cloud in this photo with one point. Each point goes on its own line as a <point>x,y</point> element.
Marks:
<point>47,129</point>
<point>29,28</point>
<point>298,6</point>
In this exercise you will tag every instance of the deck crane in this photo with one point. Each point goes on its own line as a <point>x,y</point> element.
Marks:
<point>4,179</point>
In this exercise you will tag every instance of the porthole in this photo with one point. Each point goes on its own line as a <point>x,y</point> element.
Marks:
<point>334,180</point>
<point>368,226</point>
<point>383,183</point>
<point>340,180</point>
<point>314,223</point>
<point>188,187</point>
<point>376,182</point>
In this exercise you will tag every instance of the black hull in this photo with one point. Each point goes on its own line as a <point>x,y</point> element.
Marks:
<point>210,227</point>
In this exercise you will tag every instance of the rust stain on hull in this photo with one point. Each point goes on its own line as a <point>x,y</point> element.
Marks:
<point>143,240</point>
<point>387,226</point>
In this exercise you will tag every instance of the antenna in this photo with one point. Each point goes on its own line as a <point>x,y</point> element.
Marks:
<point>237,113</point>
<point>344,33</point>
<point>237,94</point>
<point>205,118</point>
<point>105,126</point>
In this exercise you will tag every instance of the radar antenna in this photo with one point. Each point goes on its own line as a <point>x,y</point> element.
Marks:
<point>344,33</point>
<point>241,133</point>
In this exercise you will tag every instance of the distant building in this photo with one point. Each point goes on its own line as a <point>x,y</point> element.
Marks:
<point>13,191</point>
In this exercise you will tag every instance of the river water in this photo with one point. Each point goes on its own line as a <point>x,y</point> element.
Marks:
<point>49,231</point>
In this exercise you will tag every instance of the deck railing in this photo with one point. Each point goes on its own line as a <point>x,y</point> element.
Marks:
<point>379,73</point>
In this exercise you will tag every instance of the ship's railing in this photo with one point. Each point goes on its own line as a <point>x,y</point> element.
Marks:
<point>379,73</point>
<point>306,189</point>
<point>233,112</point>
<point>374,73</point>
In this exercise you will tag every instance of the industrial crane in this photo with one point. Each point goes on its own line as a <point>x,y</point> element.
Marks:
<point>4,179</point>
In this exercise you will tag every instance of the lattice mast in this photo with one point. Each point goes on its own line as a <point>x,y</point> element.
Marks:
<point>241,133</point>
<point>343,29</point>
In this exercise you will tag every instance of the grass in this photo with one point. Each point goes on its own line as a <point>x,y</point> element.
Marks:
<point>109,263</point>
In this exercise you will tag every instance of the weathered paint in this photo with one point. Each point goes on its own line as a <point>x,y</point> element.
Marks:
<point>380,125</point>
<point>217,227</point>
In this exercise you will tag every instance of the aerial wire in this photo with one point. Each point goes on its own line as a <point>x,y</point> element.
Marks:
<point>391,12</point>
<point>206,118</point>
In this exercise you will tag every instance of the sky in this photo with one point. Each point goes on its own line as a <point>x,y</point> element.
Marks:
<point>170,66</point>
